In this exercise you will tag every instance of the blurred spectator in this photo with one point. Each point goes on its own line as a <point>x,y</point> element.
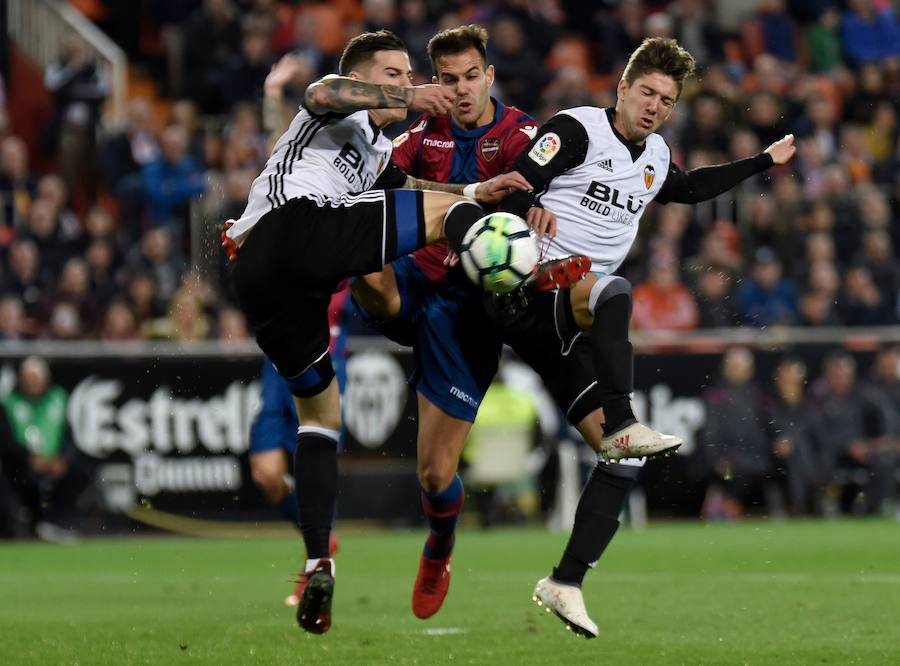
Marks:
<point>124,152</point>
<point>885,378</point>
<point>880,135</point>
<point>16,185</point>
<point>822,41</point>
<point>520,73</point>
<point>172,180</point>
<point>734,454</point>
<point>64,323</point>
<point>869,33</point>
<point>24,279</point>
<point>246,70</point>
<point>43,229</point>
<point>817,309</point>
<point>78,85</point>
<point>766,228</point>
<point>12,319</point>
<point>715,298</point>
<point>766,298</point>
<point>37,456</point>
<point>662,302</point>
<point>100,257</point>
<point>141,296</point>
<point>771,30</point>
<point>73,288</point>
<point>232,325</point>
<point>118,323</point>
<point>157,256</point>
<point>696,30</point>
<point>185,322</point>
<point>245,146</point>
<point>704,129</point>
<point>852,423</point>
<point>52,189</point>
<point>184,114</point>
<point>861,303</point>
<point>212,35</point>
<point>791,432</point>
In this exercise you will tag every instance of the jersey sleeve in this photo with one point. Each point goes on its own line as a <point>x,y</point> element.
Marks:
<point>517,142</point>
<point>708,182</point>
<point>392,178</point>
<point>406,147</point>
<point>560,145</point>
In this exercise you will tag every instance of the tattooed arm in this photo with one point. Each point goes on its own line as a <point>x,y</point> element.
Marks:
<point>339,94</point>
<point>488,192</point>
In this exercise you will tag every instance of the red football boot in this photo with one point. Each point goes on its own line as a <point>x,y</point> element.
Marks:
<point>432,583</point>
<point>559,273</point>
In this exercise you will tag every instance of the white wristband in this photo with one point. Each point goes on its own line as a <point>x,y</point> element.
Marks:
<point>469,190</point>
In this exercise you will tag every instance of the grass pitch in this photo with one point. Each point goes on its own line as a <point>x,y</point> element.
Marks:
<point>754,593</point>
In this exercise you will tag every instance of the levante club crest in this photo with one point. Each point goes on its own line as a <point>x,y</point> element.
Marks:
<point>489,149</point>
<point>649,175</point>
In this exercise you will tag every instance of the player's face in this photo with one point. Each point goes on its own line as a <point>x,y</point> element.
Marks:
<point>645,105</point>
<point>387,68</point>
<point>465,74</point>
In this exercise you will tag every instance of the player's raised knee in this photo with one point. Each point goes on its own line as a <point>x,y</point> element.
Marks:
<point>270,480</point>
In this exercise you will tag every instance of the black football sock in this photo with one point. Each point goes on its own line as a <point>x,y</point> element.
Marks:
<point>614,360</point>
<point>596,522</point>
<point>459,220</point>
<point>316,476</point>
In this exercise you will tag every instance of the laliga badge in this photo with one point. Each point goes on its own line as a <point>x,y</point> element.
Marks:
<point>649,175</point>
<point>545,149</point>
<point>490,148</point>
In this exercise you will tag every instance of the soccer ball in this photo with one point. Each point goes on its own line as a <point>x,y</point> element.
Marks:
<point>499,252</point>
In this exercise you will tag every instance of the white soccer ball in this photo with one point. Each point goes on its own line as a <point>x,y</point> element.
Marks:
<point>499,252</point>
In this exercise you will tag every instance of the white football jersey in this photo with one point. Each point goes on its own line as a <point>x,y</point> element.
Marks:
<point>321,158</point>
<point>599,202</point>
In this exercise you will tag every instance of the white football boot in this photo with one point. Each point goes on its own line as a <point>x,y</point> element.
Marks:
<point>637,441</point>
<point>568,604</point>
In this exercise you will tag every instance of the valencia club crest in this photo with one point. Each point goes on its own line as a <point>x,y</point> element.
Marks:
<point>649,175</point>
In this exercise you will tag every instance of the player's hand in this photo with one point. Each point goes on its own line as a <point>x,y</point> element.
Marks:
<point>451,259</point>
<point>281,74</point>
<point>782,150</point>
<point>494,190</point>
<point>432,99</point>
<point>542,221</point>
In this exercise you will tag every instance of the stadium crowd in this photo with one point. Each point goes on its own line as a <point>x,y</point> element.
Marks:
<point>96,246</point>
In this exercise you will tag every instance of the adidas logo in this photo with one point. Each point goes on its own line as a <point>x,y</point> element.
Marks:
<point>606,164</point>
<point>622,442</point>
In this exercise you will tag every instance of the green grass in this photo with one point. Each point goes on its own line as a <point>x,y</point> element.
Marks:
<point>756,593</point>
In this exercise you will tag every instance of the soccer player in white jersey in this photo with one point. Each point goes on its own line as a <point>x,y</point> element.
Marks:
<point>308,225</point>
<point>598,169</point>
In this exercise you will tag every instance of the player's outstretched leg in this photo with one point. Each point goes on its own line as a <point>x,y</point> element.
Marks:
<point>316,477</point>
<point>596,522</point>
<point>433,579</point>
<point>604,308</point>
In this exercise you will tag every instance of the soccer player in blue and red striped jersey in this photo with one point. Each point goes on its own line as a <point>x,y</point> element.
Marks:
<point>423,301</point>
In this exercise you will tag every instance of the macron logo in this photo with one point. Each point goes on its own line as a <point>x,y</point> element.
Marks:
<point>437,143</point>
<point>465,397</point>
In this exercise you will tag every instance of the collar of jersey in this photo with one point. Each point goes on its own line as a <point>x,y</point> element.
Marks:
<point>461,133</point>
<point>635,150</point>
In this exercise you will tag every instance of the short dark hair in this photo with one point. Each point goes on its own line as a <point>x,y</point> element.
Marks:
<point>665,56</point>
<point>457,40</point>
<point>362,47</point>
